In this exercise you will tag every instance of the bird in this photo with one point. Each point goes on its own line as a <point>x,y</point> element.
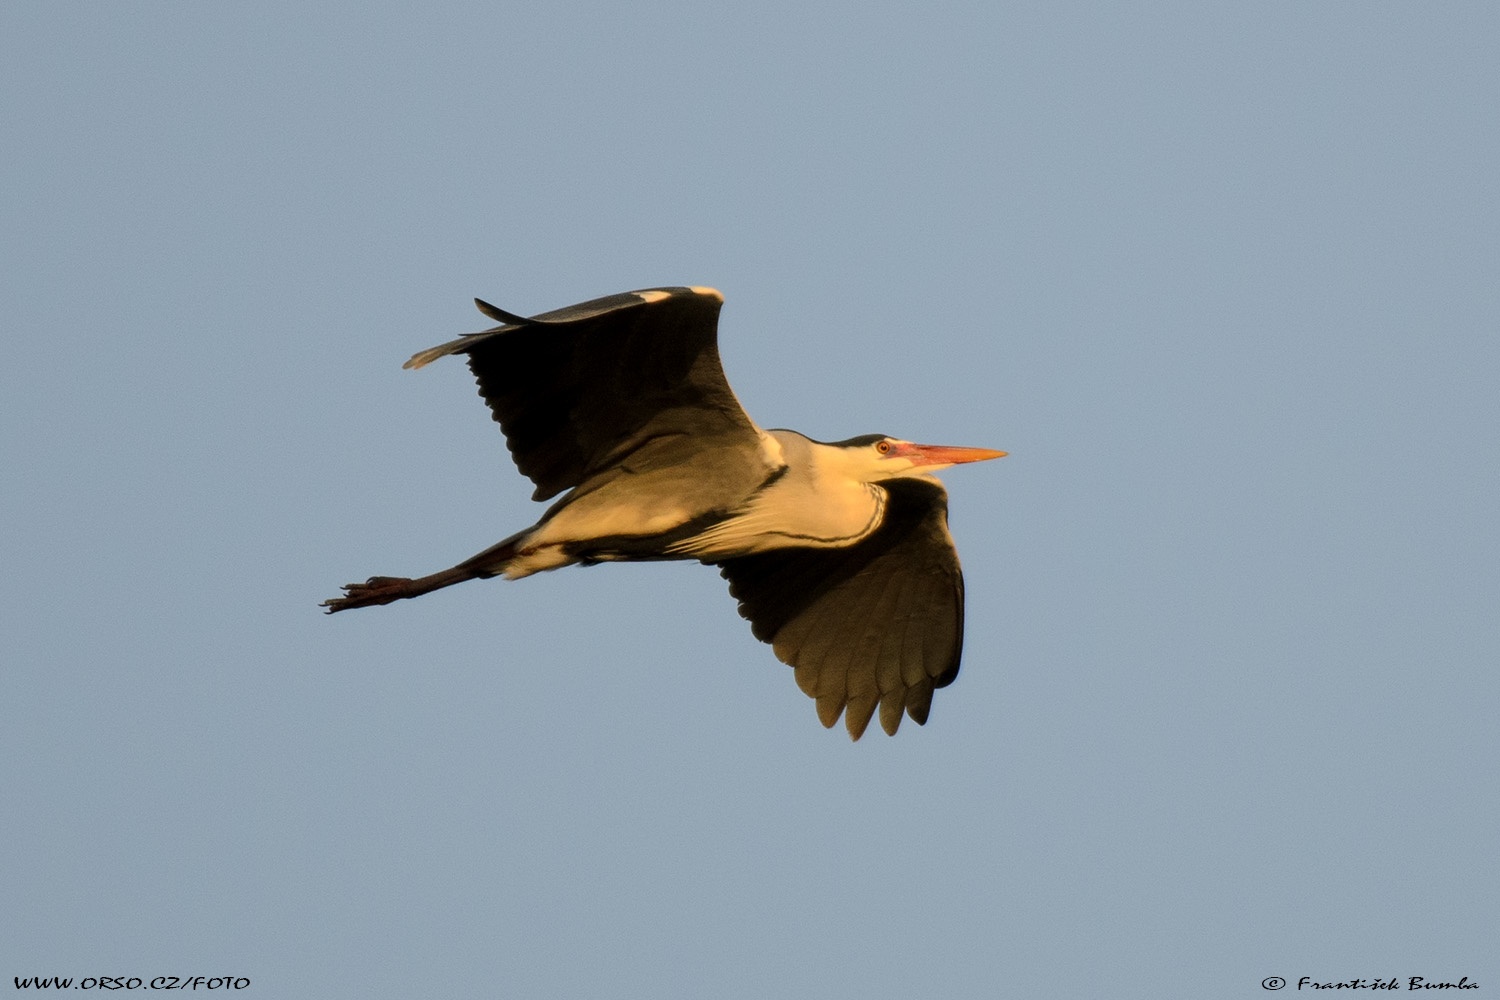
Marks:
<point>838,553</point>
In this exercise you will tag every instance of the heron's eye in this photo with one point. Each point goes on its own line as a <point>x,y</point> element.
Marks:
<point>883,447</point>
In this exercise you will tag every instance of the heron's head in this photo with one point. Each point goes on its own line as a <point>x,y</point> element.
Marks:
<point>879,456</point>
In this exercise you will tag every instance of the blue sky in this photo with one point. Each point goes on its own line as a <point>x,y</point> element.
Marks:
<point>1222,280</point>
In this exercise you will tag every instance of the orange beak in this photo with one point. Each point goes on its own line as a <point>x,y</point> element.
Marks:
<point>941,454</point>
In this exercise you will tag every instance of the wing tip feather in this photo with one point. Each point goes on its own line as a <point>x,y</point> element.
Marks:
<point>424,358</point>
<point>857,715</point>
<point>891,705</point>
<point>829,709</point>
<point>499,315</point>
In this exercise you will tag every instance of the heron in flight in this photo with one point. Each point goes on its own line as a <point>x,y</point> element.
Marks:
<point>838,553</point>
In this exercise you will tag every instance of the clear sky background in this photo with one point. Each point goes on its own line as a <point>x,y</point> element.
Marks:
<point>1223,278</point>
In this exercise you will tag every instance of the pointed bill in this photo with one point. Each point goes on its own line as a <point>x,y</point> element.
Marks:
<point>941,454</point>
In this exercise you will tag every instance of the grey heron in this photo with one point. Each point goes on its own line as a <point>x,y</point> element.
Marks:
<point>838,553</point>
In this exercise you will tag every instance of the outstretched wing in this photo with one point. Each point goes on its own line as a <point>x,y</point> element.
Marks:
<point>878,624</point>
<point>576,390</point>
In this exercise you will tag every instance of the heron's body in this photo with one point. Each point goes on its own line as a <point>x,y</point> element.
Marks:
<point>838,553</point>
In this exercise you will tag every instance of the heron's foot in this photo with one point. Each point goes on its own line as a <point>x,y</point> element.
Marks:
<point>375,590</point>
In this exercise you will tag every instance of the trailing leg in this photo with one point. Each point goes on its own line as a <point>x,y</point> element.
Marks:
<point>385,589</point>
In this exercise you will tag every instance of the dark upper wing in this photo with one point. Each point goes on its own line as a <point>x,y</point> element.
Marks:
<point>576,389</point>
<point>880,623</point>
